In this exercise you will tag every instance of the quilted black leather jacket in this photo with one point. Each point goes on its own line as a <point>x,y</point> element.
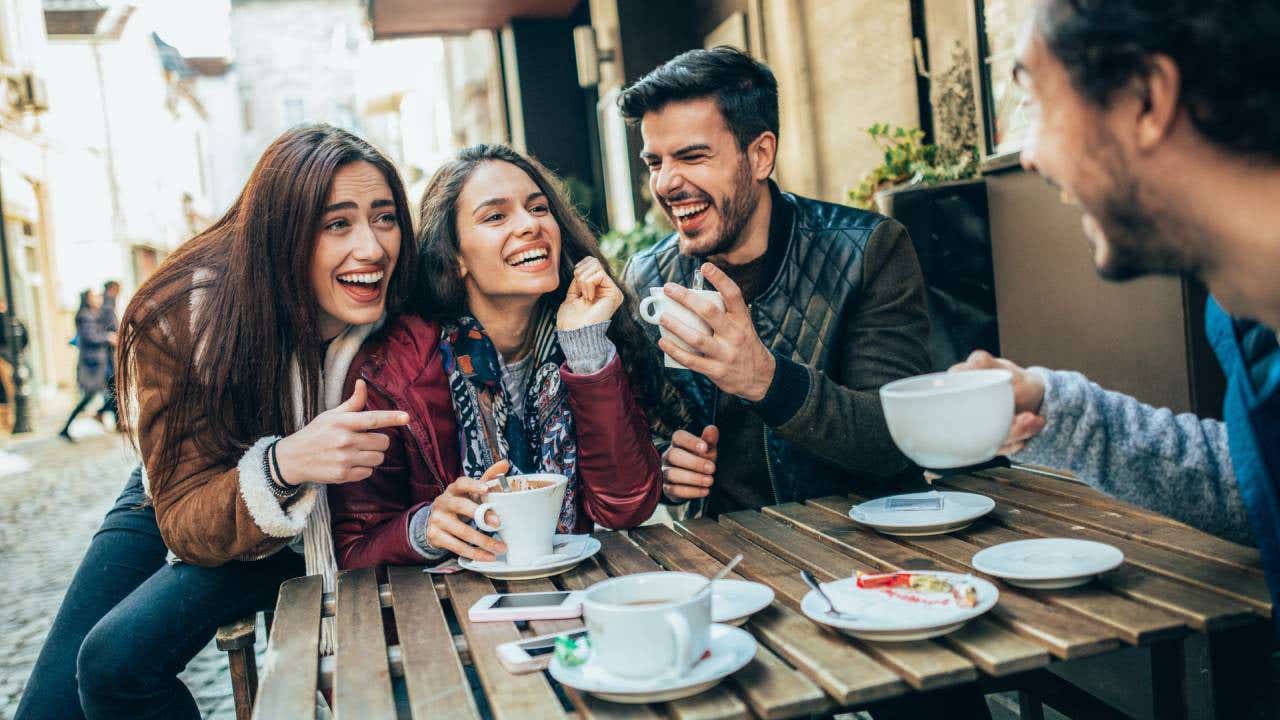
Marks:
<point>847,303</point>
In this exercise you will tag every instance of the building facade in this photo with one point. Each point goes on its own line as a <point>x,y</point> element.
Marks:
<point>128,171</point>
<point>25,187</point>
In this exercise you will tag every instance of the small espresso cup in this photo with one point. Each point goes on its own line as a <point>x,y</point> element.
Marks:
<point>526,518</point>
<point>658,304</point>
<point>648,626</point>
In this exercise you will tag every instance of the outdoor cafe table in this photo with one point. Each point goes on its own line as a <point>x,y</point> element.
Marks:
<point>1176,582</point>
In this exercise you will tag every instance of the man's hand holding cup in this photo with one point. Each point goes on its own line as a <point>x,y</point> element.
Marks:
<point>1028,396</point>
<point>727,349</point>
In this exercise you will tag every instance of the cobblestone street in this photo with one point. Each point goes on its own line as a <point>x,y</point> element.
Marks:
<point>47,516</point>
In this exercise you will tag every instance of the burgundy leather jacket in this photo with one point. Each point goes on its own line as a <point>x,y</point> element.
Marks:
<point>618,467</point>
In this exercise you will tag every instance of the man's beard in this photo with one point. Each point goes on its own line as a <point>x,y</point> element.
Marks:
<point>735,210</point>
<point>1138,242</point>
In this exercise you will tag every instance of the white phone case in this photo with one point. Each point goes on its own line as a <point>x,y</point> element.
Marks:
<point>484,611</point>
<point>517,661</point>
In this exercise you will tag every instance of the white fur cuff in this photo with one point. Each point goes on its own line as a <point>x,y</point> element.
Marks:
<point>263,505</point>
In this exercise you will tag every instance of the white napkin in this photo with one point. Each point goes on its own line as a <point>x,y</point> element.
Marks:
<point>879,605</point>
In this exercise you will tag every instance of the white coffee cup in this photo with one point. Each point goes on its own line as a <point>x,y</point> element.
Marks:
<point>650,626</point>
<point>949,420</point>
<point>526,518</point>
<point>658,304</point>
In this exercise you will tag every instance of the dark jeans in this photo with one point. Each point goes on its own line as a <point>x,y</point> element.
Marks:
<point>85,399</point>
<point>130,622</point>
<point>109,396</point>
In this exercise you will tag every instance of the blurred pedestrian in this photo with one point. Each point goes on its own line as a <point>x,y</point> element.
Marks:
<point>95,343</point>
<point>12,340</point>
<point>111,323</point>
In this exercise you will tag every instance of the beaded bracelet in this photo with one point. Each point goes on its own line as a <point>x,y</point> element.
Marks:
<point>271,467</point>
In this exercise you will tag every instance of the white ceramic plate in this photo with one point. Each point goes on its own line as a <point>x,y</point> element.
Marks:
<point>569,551</point>
<point>733,601</point>
<point>1047,563</point>
<point>876,614</point>
<point>959,510</point>
<point>731,649</point>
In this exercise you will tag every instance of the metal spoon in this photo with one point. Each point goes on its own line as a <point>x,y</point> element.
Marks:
<point>502,480</point>
<point>812,582</point>
<point>719,576</point>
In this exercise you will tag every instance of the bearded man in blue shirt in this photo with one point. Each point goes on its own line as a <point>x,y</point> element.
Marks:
<point>1156,117</point>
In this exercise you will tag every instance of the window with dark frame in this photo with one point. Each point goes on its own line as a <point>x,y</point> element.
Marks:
<point>999,24</point>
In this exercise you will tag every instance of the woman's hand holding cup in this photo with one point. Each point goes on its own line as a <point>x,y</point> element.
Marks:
<point>340,445</point>
<point>449,528</point>
<point>592,297</point>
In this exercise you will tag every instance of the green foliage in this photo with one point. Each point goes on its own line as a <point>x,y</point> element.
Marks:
<point>908,159</point>
<point>581,195</point>
<point>619,246</point>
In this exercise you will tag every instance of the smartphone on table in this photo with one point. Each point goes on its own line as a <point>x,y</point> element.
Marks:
<point>532,654</point>
<point>557,605</point>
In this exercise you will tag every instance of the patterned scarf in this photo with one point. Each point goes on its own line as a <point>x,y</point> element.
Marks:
<point>545,442</point>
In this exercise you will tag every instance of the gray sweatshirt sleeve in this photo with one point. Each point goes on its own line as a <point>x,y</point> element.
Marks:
<point>418,535</point>
<point>1176,465</point>
<point>588,349</point>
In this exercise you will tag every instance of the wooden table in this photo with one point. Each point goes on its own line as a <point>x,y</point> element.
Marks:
<point>1175,582</point>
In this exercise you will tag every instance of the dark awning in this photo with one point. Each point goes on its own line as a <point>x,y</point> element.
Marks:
<point>407,18</point>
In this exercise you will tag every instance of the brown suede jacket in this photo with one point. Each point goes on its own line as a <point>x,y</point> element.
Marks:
<point>214,510</point>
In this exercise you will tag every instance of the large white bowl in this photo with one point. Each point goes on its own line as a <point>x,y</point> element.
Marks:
<point>950,420</point>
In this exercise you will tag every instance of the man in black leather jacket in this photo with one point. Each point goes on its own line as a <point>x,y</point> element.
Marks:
<point>823,303</point>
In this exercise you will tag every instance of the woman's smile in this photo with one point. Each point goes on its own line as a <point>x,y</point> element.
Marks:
<point>363,285</point>
<point>530,257</point>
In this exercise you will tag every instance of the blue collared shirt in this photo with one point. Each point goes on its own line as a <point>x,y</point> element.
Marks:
<point>1250,358</point>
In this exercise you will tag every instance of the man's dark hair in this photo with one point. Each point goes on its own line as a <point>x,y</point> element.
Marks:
<point>110,284</point>
<point>744,89</point>
<point>1223,49</point>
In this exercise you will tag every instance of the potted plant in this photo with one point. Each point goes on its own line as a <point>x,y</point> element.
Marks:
<point>936,192</point>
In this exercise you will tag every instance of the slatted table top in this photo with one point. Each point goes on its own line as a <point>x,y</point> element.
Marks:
<point>1175,581</point>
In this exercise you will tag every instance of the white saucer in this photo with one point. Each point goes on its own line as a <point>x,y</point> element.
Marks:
<point>731,649</point>
<point>1047,563</point>
<point>569,551</point>
<point>959,510</point>
<point>879,616</point>
<point>733,601</point>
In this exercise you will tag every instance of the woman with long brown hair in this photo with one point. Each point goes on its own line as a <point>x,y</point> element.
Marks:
<point>517,360</point>
<point>232,358</point>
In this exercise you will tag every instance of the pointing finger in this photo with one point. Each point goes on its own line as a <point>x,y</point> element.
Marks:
<point>376,419</point>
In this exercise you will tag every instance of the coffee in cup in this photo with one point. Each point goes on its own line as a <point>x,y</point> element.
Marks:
<point>649,626</point>
<point>658,304</point>
<point>526,518</point>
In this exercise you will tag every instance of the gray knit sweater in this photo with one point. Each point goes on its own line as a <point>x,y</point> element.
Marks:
<point>1176,465</point>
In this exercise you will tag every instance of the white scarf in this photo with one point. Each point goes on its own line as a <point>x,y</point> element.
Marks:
<point>318,535</point>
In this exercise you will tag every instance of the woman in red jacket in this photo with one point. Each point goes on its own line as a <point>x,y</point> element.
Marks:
<point>519,362</point>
